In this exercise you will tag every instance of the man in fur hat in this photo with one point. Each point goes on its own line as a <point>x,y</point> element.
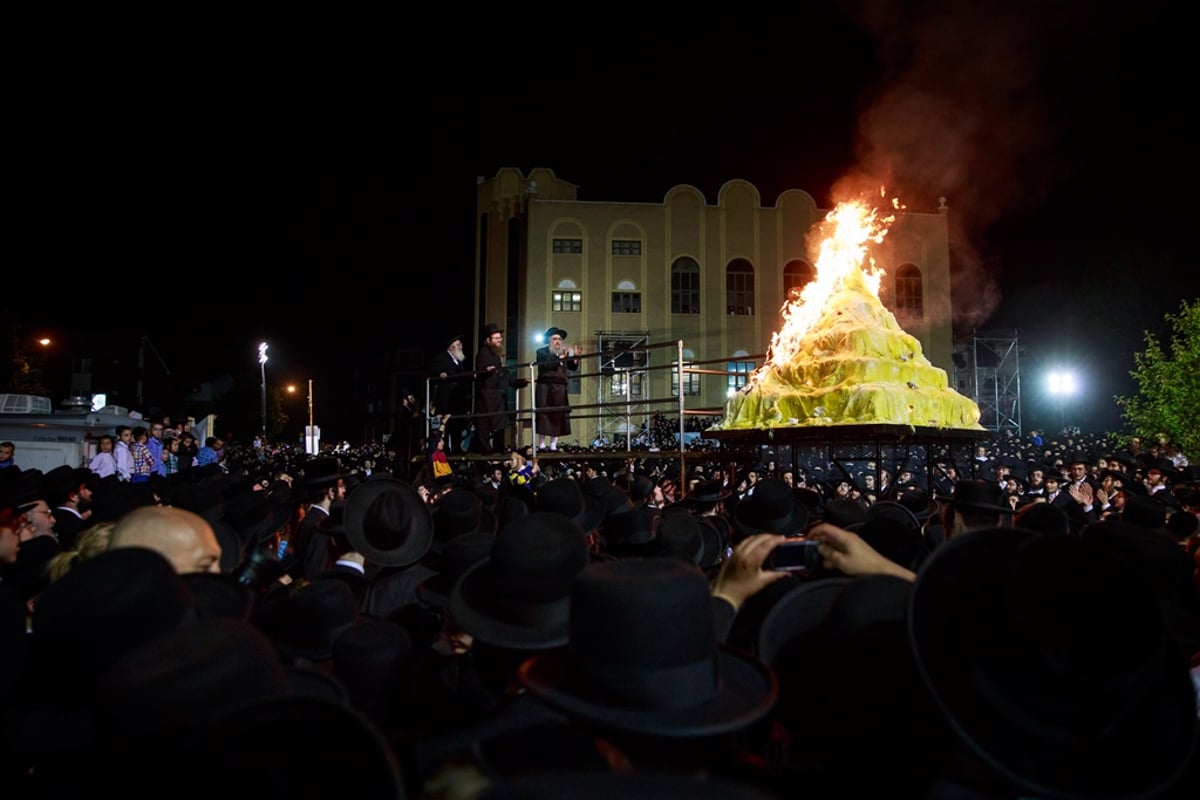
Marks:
<point>553,362</point>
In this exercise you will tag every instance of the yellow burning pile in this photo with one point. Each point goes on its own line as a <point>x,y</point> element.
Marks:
<point>841,358</point>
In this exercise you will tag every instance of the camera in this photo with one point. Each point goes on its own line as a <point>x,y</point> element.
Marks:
<point>794,555</point>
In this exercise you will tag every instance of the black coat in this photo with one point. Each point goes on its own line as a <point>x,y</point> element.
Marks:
<point>492,382</point>
<point>451,395</point>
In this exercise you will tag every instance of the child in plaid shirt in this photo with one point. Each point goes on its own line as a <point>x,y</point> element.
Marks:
<point>143,461</point>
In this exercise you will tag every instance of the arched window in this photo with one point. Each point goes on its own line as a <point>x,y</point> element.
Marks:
<point>740,369</point>
<point>685,286</point>
<point>627,299</point>
<point>691,380</point>
<point>739,288</point>
<point>910,299</point>
<point>796,275</point>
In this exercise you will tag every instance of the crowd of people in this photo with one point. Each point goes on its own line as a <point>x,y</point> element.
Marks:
<point>1021,620</point>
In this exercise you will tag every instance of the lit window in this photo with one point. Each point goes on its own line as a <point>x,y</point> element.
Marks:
<point>566,301</point>
<point>626,247</point>
<point>742,370</point>
<point>573,246</point>
<point>620,381</point>
<point>691,383</point>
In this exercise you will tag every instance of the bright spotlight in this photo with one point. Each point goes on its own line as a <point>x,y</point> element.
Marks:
<point>1061,382</point>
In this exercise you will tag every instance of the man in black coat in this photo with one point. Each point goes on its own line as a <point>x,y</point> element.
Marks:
<point>554,362</point>
<point>492,382</point>
<point>451,391</point>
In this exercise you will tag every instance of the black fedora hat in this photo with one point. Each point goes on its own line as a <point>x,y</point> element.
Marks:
<point>491,328</point>
<point>458,555</point>
<point>1124,458</point>
<point>253,515</point>
<point>1164,465</point>
<point>563,496</point>
<point>1052,474</point>
<point>459,511</point>
<point>773,508</point>
<point>388,522</point>
<point>843,513</point>
<point>1144,511</point>
<point>1029,682</point>
<point>312,618</point>
<point>629,534</point>
<point>262,744</point>
<point>795,614</point>
<point>643,656</point>
<point>680,535</point>
<point>551,332</point>
<point>458,337</point>
<point>920,502</point>
<point>519,597</point>
<point>984,495</point>
<point>1127,482</point>
<point>323,469</point>
<point>101,609</point>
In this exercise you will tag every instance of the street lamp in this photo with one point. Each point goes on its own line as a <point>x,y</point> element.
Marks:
<point>1061,384</point>
<point>311,437</point>
<point>262,365</point>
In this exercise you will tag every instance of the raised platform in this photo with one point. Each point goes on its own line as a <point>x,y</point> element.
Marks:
<point>862,443</point>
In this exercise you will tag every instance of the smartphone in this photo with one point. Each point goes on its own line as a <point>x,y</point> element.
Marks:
<point>794,555</point>
<point>283,546</point>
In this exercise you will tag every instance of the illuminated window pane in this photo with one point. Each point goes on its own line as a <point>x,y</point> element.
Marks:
<point>566,301</point>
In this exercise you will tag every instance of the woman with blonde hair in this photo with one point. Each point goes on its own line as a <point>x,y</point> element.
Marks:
<point>91,542</point>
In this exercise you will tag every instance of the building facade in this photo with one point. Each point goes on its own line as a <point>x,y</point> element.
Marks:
<point>636,278</point>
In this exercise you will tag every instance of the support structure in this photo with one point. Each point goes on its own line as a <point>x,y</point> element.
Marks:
<point>624,382</point>
<point>994,366</point>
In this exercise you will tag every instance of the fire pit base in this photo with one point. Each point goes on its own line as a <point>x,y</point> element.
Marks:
<point>851,443</point>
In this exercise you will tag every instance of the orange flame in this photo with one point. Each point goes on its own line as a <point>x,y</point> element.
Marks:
<point>847,231</point>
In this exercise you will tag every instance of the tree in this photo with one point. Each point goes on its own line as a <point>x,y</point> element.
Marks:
<point>1169,384</point>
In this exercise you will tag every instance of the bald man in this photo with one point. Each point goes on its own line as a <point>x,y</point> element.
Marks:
<point>183,537</point>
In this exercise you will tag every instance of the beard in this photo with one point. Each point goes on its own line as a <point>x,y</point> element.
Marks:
<point>496,349</point>
<point>457,352</point>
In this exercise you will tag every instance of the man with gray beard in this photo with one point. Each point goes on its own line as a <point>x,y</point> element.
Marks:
<point>451,391</point>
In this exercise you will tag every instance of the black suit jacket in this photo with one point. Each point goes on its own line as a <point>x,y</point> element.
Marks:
<point>450,395</point>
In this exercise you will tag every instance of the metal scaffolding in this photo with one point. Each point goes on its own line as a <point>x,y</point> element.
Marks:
<point>993,361</point>
<point>624,384</point>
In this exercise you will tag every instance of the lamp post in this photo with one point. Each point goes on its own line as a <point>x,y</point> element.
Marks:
<point>310,433</point>
<point>262,365</point>
<point>1061,383</point>
<point>312,440</point>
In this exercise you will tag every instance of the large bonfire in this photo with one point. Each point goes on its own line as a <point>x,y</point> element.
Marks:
<point>840,357</point>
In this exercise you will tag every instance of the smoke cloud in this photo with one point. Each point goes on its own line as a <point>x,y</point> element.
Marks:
<point>966,110</point>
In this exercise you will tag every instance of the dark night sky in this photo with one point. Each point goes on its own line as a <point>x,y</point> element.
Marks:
<point>330,209</point>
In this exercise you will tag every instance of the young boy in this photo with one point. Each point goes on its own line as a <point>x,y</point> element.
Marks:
<point>521,471</point>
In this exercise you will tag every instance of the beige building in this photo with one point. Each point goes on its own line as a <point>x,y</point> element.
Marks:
<point>637,275</point>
